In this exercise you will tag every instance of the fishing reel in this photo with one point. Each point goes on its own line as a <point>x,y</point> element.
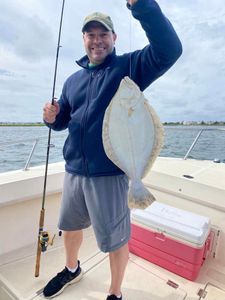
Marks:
<point>45,240</point>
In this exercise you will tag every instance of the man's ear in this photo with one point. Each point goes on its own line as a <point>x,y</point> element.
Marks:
<point>114,36</point>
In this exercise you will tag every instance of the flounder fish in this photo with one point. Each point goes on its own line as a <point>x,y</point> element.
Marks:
<point>132,138</point>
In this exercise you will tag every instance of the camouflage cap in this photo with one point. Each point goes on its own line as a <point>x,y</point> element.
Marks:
<point>101,18</point>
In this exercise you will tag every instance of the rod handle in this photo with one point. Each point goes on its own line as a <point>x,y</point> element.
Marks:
<point>38,255</point>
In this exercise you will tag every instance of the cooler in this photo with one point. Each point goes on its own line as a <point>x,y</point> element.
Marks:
<point>172,238</point>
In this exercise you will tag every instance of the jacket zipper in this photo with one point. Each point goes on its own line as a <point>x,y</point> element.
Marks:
<point>84,122</point>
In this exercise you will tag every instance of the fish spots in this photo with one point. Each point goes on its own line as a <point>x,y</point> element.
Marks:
<point>130,111</point>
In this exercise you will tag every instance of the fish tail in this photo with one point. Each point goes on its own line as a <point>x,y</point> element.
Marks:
<point>139,196</point>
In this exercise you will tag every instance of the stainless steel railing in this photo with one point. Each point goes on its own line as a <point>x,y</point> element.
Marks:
<point>197,138</point>
<point>34,145</point>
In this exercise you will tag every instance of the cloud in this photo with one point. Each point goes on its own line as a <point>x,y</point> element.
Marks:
<point>5,73</point>
<point>193,89</point>
<point>28,36</point>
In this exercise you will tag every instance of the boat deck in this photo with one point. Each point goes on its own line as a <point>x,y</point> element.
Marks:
<point>143,280</point>
<point>17,274</point>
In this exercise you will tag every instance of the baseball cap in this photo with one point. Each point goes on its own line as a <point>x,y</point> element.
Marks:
<point>101,18</point>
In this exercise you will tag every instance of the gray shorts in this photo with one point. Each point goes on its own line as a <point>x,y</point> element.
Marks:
<point>100,201</point>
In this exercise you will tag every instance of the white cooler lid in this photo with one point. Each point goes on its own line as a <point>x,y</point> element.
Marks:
<point>179,223</point>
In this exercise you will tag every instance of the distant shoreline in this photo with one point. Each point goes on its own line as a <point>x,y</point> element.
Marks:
<point>28,124</point>
<point>34,124</point>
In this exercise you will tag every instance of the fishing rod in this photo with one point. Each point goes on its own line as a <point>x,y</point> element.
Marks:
<point>43,236</point>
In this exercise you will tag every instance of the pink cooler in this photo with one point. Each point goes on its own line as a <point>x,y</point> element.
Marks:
<point>172,238</point>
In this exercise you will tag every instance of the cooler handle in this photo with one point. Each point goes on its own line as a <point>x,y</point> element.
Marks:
<point>160,236</point>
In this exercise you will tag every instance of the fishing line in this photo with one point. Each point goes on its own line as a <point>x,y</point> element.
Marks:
<point>130,45</point>
<point>42,212</point>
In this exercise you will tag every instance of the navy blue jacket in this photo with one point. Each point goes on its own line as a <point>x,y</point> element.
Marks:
<point>87,93</point>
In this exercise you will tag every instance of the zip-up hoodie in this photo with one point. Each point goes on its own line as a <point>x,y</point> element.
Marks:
<point>87,93</point>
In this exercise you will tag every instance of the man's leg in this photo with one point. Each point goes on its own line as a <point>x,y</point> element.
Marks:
<point>106,200</point>
<point>72,243</point>
<point>118,262</point>
<point>72,273</point>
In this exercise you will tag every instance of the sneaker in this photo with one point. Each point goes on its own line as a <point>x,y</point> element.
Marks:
<point>113,297</point>
<point>57,284</point>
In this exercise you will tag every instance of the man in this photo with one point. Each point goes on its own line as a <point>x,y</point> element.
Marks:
<point>95,190</point>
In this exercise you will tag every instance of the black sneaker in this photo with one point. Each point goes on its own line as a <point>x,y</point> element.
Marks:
<point>113,297</point>
<point>57,284</point>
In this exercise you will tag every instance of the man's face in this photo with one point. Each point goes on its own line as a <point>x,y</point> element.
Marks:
<point>98,42</point>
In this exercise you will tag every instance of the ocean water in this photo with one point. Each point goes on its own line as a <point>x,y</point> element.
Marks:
<point>16,144</point>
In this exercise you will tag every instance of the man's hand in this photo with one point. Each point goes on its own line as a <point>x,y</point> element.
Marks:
<point>50,112</point>
<point>131,2</point>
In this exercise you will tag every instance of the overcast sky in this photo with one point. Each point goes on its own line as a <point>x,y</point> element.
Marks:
<point>194,89</point>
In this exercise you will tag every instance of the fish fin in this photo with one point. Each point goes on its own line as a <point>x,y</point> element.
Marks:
<point>159,134</point>
<point>139,196</point>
